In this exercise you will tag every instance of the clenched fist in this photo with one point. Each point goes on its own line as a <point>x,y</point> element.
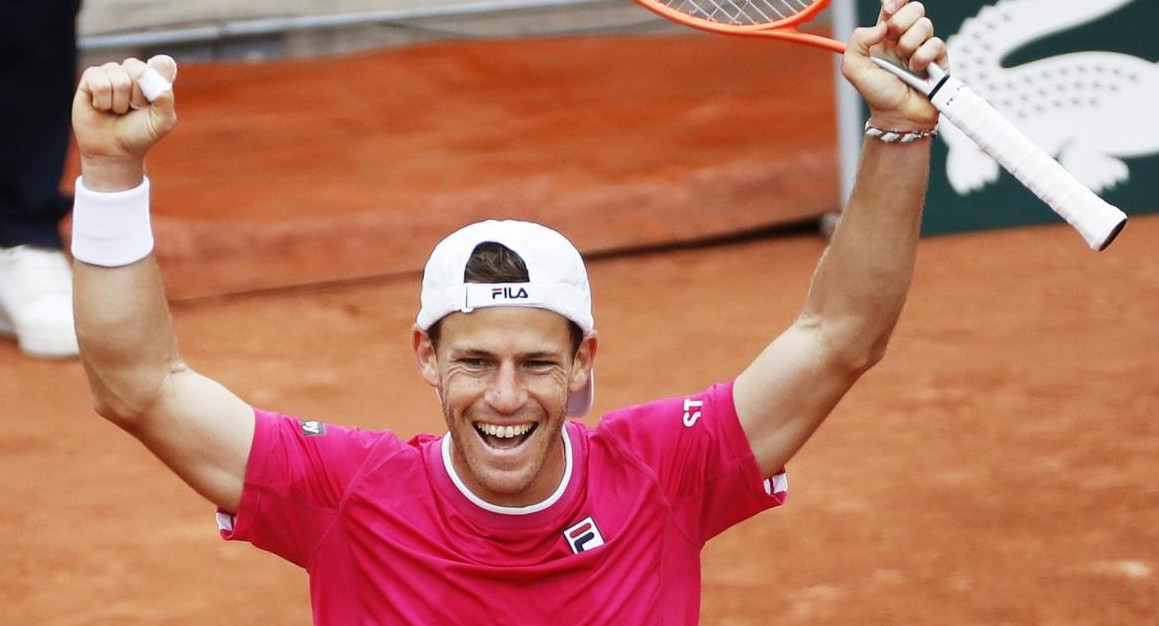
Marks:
<point>116,125</point>
<point>904,34</point>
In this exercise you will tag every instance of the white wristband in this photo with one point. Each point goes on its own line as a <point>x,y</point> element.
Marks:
<point>111,229</point>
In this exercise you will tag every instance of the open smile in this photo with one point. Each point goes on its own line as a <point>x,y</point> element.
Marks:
<point>506,437</point>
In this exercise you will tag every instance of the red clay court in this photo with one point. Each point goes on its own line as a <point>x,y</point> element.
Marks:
<point>999,467</point>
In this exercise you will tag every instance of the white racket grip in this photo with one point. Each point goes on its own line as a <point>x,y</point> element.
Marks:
<point>153,84</point>
<point>1096,220</point>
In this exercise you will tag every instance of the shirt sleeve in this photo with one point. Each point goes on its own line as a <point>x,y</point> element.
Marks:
<point>700,458</point>
<point>297,474</point>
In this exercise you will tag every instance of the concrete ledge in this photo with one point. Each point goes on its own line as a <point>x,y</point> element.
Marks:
<point>293,172</point>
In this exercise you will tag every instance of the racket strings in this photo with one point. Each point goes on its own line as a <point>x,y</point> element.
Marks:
<point>740,12</point>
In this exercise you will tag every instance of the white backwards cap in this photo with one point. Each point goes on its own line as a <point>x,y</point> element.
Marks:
<point>557,282</point>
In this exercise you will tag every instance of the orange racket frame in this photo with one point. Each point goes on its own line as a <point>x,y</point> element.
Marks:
<point>781,29</point>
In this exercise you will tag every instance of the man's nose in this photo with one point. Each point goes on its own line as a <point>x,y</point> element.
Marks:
<point>507,393</point>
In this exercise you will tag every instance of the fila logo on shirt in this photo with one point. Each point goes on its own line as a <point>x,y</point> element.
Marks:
<point>313,428</point>
<point>691,414</point>
<point>509,293</point>
<point>583,536</point>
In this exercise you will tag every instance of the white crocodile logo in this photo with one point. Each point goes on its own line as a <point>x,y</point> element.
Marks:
<point>1089,109</point>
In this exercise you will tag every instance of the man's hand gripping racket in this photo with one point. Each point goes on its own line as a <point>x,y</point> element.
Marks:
<point>1097,221</point>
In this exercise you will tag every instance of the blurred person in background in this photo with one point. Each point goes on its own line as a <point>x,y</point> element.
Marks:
<point>37,75</point>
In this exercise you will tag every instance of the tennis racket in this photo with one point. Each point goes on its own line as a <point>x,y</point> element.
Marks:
<point>1097,221</point>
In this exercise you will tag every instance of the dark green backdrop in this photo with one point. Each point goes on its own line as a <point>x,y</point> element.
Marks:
<point>1130,30</point>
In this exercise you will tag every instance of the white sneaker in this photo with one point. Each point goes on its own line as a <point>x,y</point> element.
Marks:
<point>36,301</point>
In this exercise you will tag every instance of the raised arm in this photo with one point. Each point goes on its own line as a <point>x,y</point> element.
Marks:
<point>860,285</point>
<point>136,375</point>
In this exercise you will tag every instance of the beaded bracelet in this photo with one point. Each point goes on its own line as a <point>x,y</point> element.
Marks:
<point>899,136</point>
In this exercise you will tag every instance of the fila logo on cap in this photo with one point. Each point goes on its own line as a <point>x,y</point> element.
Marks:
<point>583,536</point>
<point>479,295</point>
<point>507,293</point>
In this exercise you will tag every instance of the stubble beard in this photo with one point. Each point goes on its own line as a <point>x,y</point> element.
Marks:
<point>468,446</point>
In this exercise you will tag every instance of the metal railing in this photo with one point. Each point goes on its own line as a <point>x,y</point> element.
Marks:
<point>264,27</point>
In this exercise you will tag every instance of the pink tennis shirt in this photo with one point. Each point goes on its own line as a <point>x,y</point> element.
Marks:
<point>389,535</point>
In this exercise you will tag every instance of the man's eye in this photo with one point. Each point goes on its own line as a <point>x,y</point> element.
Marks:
<point>473,363</point>
<point>540,365</point>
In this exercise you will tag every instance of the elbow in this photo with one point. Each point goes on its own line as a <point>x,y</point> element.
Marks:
<point>854,348</point>
<point>873,354</point>
<point>857,360</point>
<point>122,414</point>
<point>127,391</point>
<point>128,406</point>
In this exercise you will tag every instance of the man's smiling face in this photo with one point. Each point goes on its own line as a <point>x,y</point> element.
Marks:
<point>504,374</point>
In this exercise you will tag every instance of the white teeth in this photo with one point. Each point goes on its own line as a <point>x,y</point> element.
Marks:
<point>503,432</point>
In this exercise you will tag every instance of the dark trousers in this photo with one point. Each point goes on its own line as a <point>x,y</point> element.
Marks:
<point>38,66</point>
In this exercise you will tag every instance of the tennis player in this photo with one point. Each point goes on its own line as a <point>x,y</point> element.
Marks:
<point>515,515</point>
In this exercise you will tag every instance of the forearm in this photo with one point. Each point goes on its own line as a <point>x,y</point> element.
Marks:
<point>122,317</point>
<point>861,282</point>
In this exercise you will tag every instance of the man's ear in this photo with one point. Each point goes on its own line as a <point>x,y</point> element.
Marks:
<point>426,356</point>
<point>583,362</point>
